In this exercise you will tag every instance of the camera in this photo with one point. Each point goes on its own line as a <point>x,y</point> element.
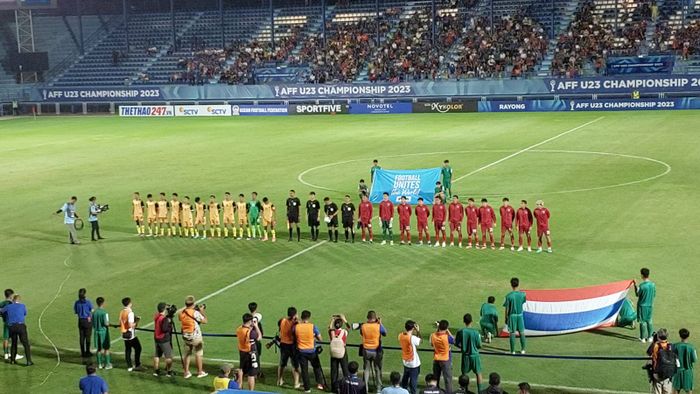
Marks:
<point>274,342</point>
<point>650,371</point>
<point>170,311</point>
<point>103,208</point>
<point>319,349</point>
<point>200,307</point>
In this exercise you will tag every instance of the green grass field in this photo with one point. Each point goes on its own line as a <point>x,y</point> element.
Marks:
<point>615,208</point>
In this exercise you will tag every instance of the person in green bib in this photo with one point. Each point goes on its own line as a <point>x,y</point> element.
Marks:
<point>646,292</point>
<point>514,315</point>
<point>687,357</point>
<point>100,328</point>
<point>254,215</point>
<point>447,177</point>
<point>489,319</point>
<point>468,341</point>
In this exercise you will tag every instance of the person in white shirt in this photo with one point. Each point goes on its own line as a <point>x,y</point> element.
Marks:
<point>410,340</point>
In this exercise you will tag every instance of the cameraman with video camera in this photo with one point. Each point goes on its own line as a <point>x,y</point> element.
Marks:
<point>95,209</point>
<point>190,319</point>
<point>162,335</point>
<point>664,363</point>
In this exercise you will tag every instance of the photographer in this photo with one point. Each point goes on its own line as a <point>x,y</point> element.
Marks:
<point>127,326</point>
<point>371,350</point>
<point>248,334</point>
<point>69,217</point>
<point>190,319</point>
<point>663,364</point>
<point>441,340</point>
<point>95,210</point>
<point>339,354</point>
<point>287,347</point>
<point>162,335</point>
<point>409,340</point>
<point>307,334</point>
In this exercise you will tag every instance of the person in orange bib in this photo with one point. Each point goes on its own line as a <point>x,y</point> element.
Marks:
<point>287,347</point>
<point>247,334</point>
<point>307,334</point>
<point>442,340</point>
<point>372,353</point>
<point>409,339</point>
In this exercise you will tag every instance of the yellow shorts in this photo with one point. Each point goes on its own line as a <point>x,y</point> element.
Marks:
<point>187,223</point>
<point>228,219</point>
<point>214,221</point>
<point>138,218</point>
<point>242,220</point>
<point>174,220</point>
<point>199,221</point>
<point>151,219</point>
<point>266,222</point>
<point>162,219</point>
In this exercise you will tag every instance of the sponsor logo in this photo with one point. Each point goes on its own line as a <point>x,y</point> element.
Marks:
<point>442,108</point>
<point>307,109</point>
<point>146,110</point>
<point>188,111</point>
<point>203,110</point>
<point>235,110</point>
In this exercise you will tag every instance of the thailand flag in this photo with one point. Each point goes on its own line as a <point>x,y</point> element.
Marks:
<point>564,311</point>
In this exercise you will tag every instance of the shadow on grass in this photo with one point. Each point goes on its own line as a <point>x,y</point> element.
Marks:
<point>612,334</point>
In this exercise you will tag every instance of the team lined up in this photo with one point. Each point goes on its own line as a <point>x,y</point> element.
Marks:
<point>254,219</point>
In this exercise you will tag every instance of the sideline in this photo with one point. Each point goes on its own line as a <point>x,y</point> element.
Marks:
<point>512,155</point>
<point>245,279</point>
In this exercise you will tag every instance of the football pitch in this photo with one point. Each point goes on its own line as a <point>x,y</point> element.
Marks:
<point>622,188</point>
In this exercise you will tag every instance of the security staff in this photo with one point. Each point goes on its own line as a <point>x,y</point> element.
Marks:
<point>16,314</point>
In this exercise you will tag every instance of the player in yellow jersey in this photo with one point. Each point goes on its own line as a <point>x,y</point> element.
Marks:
<point>175,226</point>
<point>199,219</point>
<point>186,215</point>
<point>152,215</point>
<point>162,206</point>
<point>137,213</point>
<point>214,222</point>
<point>228,206</point>
<point>269,219</point>
<point>242,210</point>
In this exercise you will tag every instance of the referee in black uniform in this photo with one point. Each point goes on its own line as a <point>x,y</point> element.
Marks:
<point>347,209</point>
<point>293,204</point>
<point>331,210</point>
<point>313,212</point>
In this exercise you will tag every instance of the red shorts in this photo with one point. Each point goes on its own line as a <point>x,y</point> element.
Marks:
<point>542,231</point>
<point>439,224</point>
<point>405,225</point>
<point>455,226</point>
<point>486,228</point>
<point>423,225</point>
<point>366,222</point>
<point>506,228</point>
<point>471,227</point>
<point>524,229</point>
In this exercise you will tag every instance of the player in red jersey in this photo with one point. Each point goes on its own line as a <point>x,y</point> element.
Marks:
<point>456,211</point>
<point>439,215</point>
<point>507,218</point>
<point>472,213</point>
<point>487,218</point>
<point>523,221</point>
<point>542,216</point>
<point>422,214</point>
<point>386,216</point>
<point>404,212</point>
<point>364,216</point>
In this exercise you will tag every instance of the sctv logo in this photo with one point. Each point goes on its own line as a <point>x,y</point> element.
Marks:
<point>217,111</point>
<point>188,111</point>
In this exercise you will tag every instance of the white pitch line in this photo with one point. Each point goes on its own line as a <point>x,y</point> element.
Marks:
<point>246,278</point>
<point>41,329</point>
<point>512,155</point>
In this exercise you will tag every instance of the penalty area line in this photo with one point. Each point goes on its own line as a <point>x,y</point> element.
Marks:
<point>246,278</point>
<point>521,151</point>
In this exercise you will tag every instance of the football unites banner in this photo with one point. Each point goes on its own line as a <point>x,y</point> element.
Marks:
<point>565,311</point>
<point>410,183</point>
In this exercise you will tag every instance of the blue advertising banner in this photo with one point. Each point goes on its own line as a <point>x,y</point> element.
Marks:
<point>301,91</point>
<point>589,105</point>
<point>385,108</point>
<point>409,183</point>
<point>643,84</point>
<point>141,93</point>
<point>639,64</point>
<point>259,110</point>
